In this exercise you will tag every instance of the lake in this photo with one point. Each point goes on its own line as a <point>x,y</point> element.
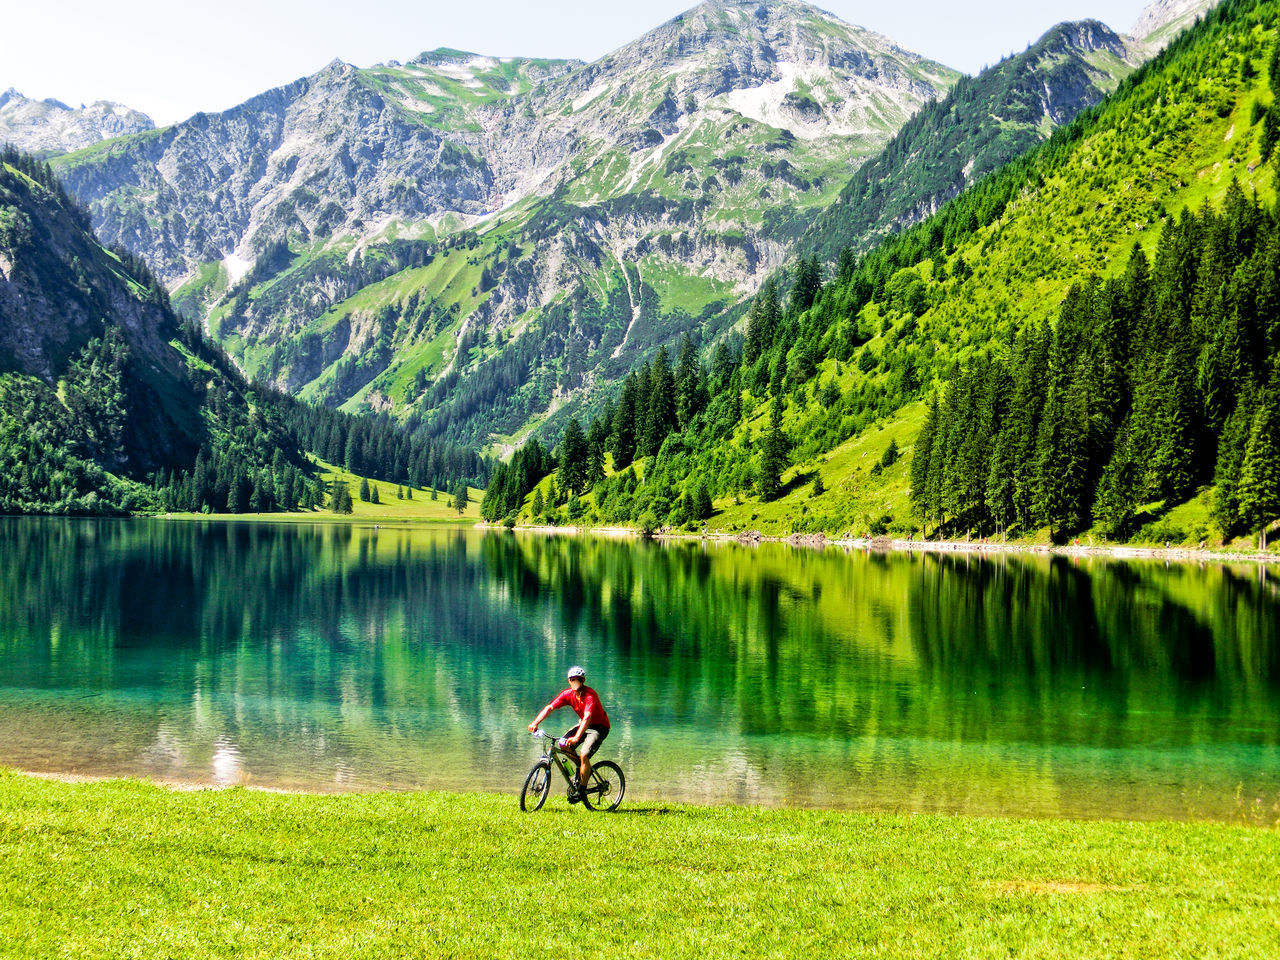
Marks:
<point>339,657</point>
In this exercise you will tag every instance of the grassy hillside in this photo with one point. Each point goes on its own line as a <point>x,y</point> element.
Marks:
<point>893,327</point>
<point>983,123</point>
<point>127,870</point>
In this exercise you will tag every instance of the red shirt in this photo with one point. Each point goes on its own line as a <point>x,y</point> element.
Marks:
<point>580,701</point>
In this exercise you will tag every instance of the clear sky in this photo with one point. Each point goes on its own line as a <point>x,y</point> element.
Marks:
<point>174,58</point>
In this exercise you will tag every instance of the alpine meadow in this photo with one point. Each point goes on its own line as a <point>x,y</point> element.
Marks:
<point>871,466</point>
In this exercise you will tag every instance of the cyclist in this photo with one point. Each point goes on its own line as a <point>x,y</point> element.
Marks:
<point>592,728</point>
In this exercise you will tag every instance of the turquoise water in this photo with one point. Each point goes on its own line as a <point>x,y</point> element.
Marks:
<point>331,657</point>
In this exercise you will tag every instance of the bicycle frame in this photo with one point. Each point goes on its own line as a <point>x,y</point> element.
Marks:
<point>560,758</point>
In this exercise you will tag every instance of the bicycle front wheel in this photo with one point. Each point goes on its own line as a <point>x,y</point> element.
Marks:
<point>537,787</point>
<point>607,787</point>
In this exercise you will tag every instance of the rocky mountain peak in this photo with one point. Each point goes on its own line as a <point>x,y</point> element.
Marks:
<point>50,126</point>
<point>1163,18</point>
<point>1088,36</point>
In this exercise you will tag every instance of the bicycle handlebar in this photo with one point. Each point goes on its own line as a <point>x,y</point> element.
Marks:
<point>543,735</point>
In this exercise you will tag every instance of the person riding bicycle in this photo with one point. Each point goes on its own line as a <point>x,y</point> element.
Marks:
<point>593,724</point>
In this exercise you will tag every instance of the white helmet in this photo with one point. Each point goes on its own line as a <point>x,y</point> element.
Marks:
<point>577,673</point>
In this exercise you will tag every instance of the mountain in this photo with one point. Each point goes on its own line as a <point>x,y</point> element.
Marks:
<point>982,124</point>
<point>1164,19</point>
<point>469,241</point>
<point>85,338</point>
<point>1094,330</point>
<point>50,126</point>
<point>988,120</point>
<point>108,404</point>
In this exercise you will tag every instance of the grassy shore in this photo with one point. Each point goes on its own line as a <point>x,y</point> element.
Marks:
<point>394,505</point>
<point>126,869</point>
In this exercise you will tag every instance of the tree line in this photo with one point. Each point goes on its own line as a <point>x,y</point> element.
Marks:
<point>1148,386</point>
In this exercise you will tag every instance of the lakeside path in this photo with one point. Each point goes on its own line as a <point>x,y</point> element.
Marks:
<point>129,869</point>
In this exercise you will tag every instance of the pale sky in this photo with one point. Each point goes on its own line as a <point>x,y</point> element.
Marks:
<point>174,58</point>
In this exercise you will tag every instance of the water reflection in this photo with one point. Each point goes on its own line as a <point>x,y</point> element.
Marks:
<point>341,657</point>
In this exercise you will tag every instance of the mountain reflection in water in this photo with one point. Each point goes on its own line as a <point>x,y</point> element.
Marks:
<point>334,657</point>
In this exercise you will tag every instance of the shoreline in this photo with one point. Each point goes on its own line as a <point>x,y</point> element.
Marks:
<point>187,787</point>
<point>820,541</point>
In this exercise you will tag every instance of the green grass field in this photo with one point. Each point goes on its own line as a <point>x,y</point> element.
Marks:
<point>124,869</point>
<point>389,509</point>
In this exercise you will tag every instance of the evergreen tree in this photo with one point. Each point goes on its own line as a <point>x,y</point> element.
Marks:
<point>1118,487</point>
<point>920,462</point>
<point>461,497</point>
<point>595,462</point>
<point>1232,448</point>
<point>807,284</point>
<point>774,450</point>
<point>364,489</point>
<point>700,507</point>
<point>762,321</point>
<point>690,390</point>
<point>574,455</point>
<point>373,494</point>
<point>624,423</point>
<point>537,507</point>
<point>1260,471</point>
<point>660,414</point>
<point>340,497</point>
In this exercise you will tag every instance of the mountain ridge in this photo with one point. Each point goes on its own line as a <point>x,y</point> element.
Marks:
<point>50,126</point>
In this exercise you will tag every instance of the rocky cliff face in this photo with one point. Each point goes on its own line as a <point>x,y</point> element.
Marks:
<point>49,126</point>
<point>1164,19</point>
<point>59,290</point>
<point>384,236</point>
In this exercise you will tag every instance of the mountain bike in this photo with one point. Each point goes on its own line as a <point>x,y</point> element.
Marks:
<point>604,792</point>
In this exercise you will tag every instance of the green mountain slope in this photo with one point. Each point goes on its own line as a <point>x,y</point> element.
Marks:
<point>982,124</point>
<point>958,288</point>
<point>109,404</point>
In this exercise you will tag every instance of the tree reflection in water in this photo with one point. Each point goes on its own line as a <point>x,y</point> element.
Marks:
<point>336,656</point>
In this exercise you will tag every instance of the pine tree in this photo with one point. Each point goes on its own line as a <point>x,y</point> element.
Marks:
<point>700,503</point>
<point>774,449</point>
<point>537,507</point>
<point>1232,447</point>
<point>807,284</point>
<point>1260,472</point>
<point>573,458</point>
<point>1118,486</point>
<point>690,390</point>
<point>595,462</point>
<point>461,497</point>
<point>920,462</point>
<point>660,415</point>
<point>373,494</point>
<point>624,424</point>
<point>364,490</point>
<point>762,321</point>
<point>340,497</point>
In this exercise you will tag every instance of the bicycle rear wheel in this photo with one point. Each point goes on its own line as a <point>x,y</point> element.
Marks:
<point>537,787</point>
<point>606,788</point>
